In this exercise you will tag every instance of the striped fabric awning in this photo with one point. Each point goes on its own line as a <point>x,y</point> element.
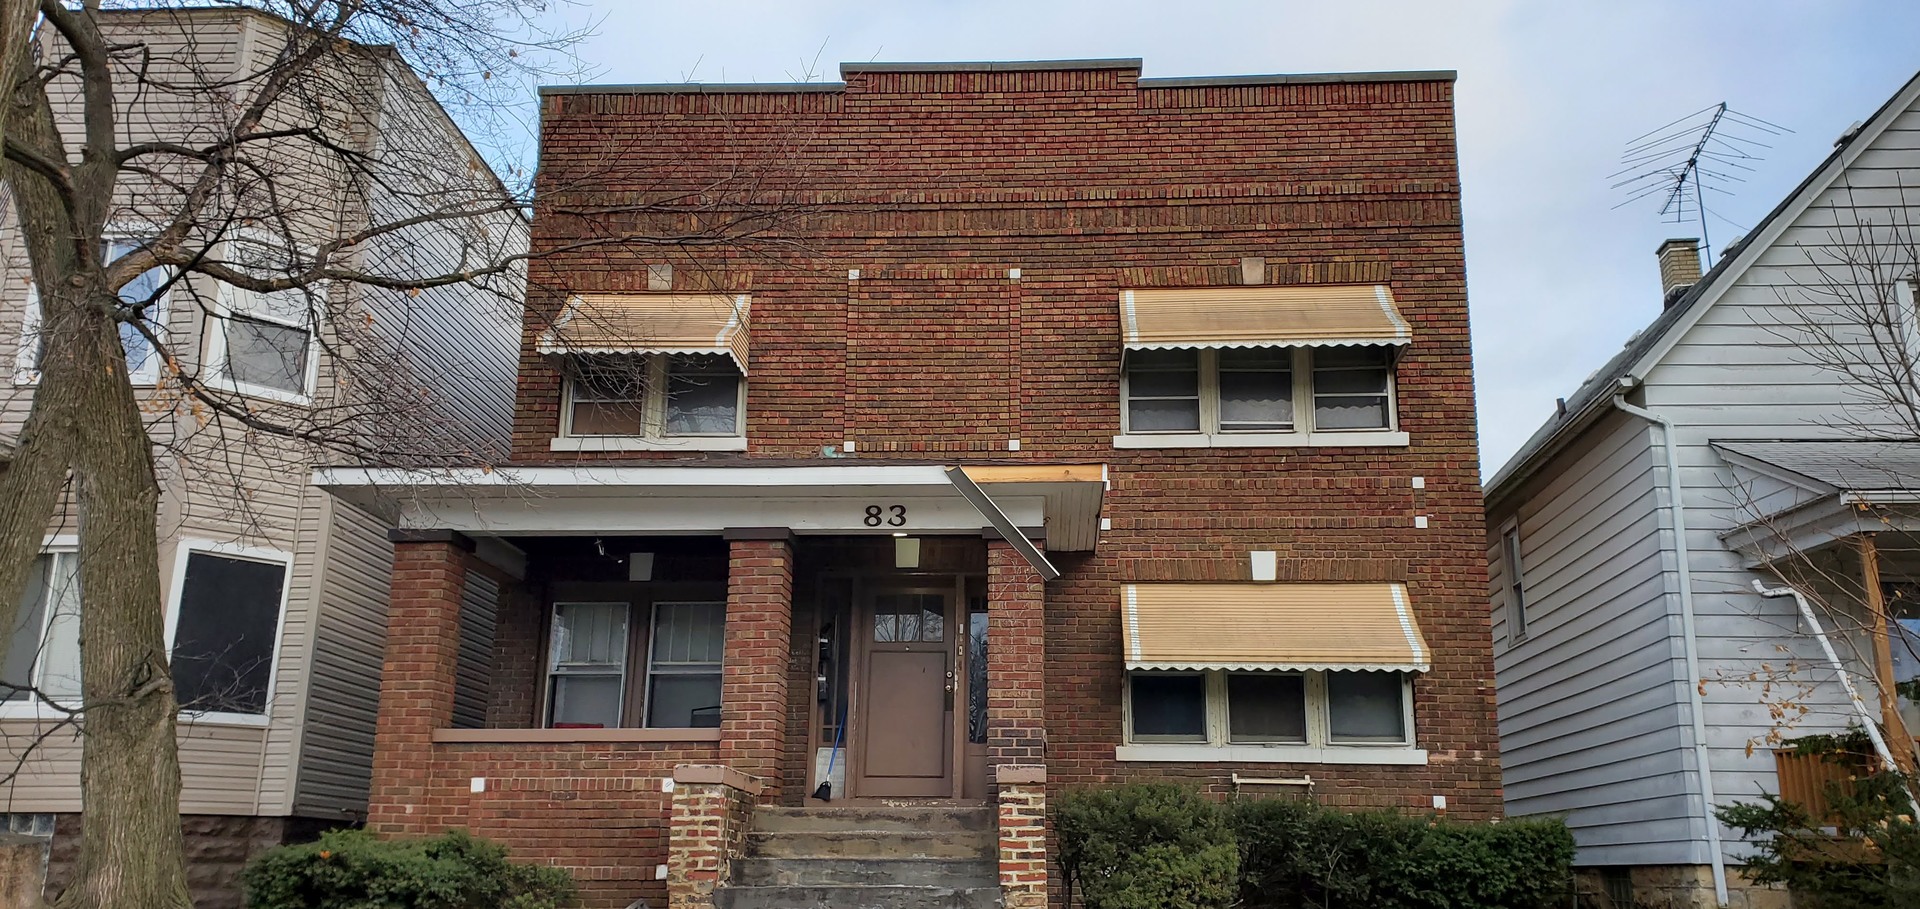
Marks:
<point>651,323</point>
<point>1261,316</point>
<point>1271,626</point>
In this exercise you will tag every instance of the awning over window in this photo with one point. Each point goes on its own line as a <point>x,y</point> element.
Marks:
<point>651,323</point>
<point>1261,316</point>
<point>1271,626</point>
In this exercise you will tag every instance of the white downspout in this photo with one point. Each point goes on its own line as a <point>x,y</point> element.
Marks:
<point>1867,718</point>
<point>1677,511</point>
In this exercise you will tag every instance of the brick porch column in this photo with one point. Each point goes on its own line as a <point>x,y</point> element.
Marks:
<point>759,631</point>
<point>1016,722</point>
<point>417,680</point>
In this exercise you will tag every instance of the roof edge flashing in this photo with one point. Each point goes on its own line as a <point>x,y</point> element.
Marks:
<point>695,88</point>
<point>1430,75</point>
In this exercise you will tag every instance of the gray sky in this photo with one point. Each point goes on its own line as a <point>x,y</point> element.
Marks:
<point>1549,94</point>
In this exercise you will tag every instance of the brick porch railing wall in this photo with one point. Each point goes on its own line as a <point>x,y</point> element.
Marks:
<point>753,682</point>
<point>1016,721</point>
<point>712,811</point>
<point>417,679</point>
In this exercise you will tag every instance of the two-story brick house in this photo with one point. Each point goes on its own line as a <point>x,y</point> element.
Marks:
<point>1064,427</point>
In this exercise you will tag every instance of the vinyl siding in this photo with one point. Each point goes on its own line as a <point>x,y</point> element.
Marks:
<point>1741,371</point>
<point>349,648</point>
<point>219,768</point>
<point>1590,703</point>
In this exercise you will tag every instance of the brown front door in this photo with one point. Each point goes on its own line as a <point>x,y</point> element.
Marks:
<point>905,721</point>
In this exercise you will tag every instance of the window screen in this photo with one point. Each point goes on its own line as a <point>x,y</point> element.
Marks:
<point>1170,707</point>
<point>609,396</point>
<point>224,638</point>
<point>1163,391</point>
<point>1351,388</point>
<point>266,354</point>
<point>703,396</point>
<point>1256,390</point>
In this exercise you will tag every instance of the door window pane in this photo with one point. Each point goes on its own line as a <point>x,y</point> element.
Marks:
<point>1366,707</point>
<point>1169,707</point>
<point>224,637</point>
<point>1267,707</point>
<point>1256,390</point>
<point>977,673</point>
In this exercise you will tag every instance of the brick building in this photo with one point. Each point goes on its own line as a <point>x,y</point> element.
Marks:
<point>1048,426</point>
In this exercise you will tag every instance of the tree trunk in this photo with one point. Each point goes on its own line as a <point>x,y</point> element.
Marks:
<point>16,29</point>
<point>131,853</point>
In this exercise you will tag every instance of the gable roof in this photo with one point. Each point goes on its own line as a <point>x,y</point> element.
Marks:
<point>1628,367</point>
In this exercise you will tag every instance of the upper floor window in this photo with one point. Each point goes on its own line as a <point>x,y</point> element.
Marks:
<point>147,295</point>
<point>654,396</point>
<point>1258,391</point>
<point>1516,585</point>
<point>262,344</point>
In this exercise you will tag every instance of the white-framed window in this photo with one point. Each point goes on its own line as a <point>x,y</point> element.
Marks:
<point>587,665</point>
<point>683,665</point>
<point>1263,395</point>
<point>224,626</point>
<point>1331,716</point>
<point>660,397</point>
<point>44,651</point>
<point>1515,572</point>
<point>264,344</point>
<point>595,666</point>
<point>150,289</point>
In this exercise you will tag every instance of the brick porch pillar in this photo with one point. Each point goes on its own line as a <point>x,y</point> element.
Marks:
<point>417,680</point>
<point>759,631</point>
<point>1016,721</point>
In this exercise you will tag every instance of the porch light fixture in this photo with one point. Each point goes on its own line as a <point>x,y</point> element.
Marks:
<point>906,551</point>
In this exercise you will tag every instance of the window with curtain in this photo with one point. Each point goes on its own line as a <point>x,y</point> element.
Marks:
<point>587,665</point>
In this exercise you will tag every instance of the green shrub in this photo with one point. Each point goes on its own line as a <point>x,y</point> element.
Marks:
<point>1146,846</point>
<point>1297,855</point>
<point>351,869</point>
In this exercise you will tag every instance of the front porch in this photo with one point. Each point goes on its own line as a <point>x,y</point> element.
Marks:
<point>619,702</point>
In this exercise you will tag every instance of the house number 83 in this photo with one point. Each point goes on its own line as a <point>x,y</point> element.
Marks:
<point>889,515</point>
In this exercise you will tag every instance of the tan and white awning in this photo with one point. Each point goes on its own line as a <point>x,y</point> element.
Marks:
<point>651,323</point>
<point>1271,626</point>
<point>1295,315</point>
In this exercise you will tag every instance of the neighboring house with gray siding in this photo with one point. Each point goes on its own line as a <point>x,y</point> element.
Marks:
<point>1642,679</point>
<point>277,592</point>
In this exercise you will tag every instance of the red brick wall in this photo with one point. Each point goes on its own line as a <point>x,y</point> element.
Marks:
<point>417,679</point>
<point>753,685</point>
<point>1016,660</point>
<point>1087,183</point>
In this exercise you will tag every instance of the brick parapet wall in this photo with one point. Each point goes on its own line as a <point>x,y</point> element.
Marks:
<point>754,667</point>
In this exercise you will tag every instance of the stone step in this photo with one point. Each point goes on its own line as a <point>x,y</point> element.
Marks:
<point>881,897</point>
<point>823,872</point>
<point>872,844</point>
<point>915,820</point>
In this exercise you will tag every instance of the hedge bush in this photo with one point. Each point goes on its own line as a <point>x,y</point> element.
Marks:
<point>1159,846</point>
<point>1146,846</point>
<point>351,869</point>
<point>1297,855</point>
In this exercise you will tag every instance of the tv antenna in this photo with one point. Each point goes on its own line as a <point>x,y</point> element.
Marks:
<point>1681,162</point>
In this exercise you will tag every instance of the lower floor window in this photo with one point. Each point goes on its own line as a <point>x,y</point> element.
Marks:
<point>615,664</point>
<point>1313,708</point>
<point>225,631</point>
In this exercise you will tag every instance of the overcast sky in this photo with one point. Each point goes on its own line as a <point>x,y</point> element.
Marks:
<point>1549,94</point>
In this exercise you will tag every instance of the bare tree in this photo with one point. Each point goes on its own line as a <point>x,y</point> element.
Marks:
<point>275,206</point>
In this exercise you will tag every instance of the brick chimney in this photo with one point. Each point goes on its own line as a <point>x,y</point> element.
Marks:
<point>1679,268</point>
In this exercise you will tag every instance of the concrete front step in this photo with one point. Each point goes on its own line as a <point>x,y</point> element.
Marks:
<point>911,820</point>
<point>871,844</point>
<point>856,897</point>
<point>823,872</point>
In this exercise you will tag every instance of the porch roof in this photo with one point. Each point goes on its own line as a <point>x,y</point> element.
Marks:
<point>1804,495</point>
<point>855,498</point>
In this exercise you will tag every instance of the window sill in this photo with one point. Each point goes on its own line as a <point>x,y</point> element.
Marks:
<point>263,392</point>
<point>1396,755</point>
<point>1361,439</point>
<point>559,736</point>
<point>637,443</point>
<point>190,719</point>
